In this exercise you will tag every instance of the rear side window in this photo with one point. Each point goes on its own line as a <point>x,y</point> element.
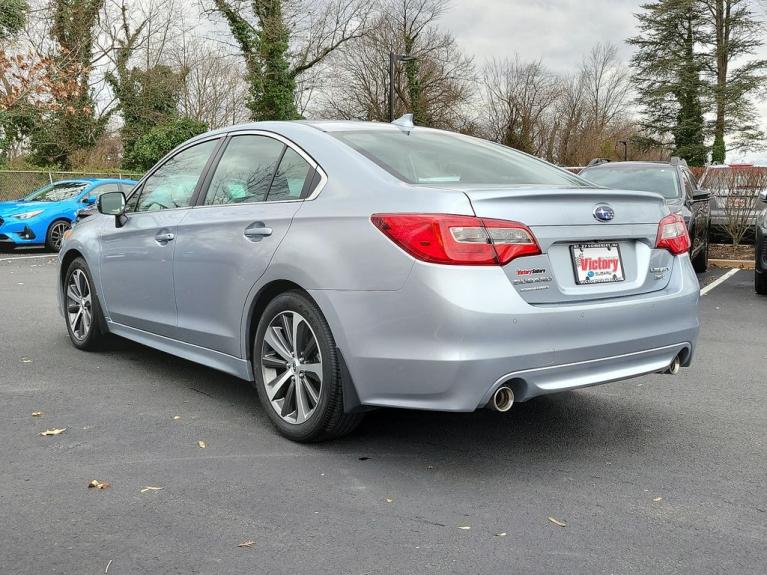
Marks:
<point>445,159</point>
<point>245,171</point>
<point>290,178</point>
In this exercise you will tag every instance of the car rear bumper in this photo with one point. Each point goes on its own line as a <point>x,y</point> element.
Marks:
<point>452,335</point>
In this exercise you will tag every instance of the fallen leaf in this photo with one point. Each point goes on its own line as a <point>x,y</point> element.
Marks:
<point>501,534</point>
<point>176,417</point>
<point>26,360</point>
<point>53,431</point>
<point>150,488</point>
<point>364,458</point>
<point>37,413</point>
<point>248,543</point>
<point>464,527</point>
<point>557,522</point>
<point>201,444</point>
<point>389,500</point>
<point>96,484</point>
<point>656,499</point>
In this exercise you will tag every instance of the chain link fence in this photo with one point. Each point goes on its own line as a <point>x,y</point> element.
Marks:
<point>15,184</point>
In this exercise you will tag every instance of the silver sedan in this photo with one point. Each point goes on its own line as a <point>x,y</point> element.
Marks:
<point>342,266</point>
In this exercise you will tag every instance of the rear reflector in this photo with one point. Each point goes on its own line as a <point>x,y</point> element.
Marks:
<point>458,240</point>
<point>672,235</point>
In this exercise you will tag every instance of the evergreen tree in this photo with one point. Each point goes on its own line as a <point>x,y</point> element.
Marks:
<point>667,68</point>
<point>13,15</point>
<point>735,35</point>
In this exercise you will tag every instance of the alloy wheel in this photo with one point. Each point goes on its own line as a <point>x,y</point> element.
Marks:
<point>57,234</point>
<point>291,366</point>
<point>79,305</point>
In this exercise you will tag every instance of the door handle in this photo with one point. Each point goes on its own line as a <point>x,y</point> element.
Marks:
<point>164,238</point>
<point>257,232</point>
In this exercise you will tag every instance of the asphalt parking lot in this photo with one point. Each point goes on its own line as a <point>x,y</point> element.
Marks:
<point>656,475</point>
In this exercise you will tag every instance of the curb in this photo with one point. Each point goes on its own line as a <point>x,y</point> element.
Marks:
<point>739,264</point>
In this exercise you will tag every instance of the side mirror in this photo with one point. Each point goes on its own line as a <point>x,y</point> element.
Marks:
<point>763,196</point>
<point>111,204</point>
<point>88,201</point>
<point>701,195</point>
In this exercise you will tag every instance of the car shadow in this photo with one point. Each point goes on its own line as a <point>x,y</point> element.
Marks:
<point>569,427</point>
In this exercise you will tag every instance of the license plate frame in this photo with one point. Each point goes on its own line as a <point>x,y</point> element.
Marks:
<point>598,249</point>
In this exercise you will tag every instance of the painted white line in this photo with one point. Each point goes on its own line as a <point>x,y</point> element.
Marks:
<point>27,258</point>
<point>719,281</point>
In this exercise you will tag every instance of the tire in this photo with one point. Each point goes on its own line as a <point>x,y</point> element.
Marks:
<point>760,283</point>
<point>79,297</point>
<point>55,234</point>
<point>700,262</point>
<point>305,404</point>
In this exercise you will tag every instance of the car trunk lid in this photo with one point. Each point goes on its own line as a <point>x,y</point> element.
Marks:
<point>577,236</point>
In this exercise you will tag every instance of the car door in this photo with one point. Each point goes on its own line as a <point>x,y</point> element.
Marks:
<point>225,245</point>
<point>137,257</point>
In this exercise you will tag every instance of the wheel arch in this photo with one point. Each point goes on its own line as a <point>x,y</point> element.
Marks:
<point>262,298</point>
<point>66,261</point>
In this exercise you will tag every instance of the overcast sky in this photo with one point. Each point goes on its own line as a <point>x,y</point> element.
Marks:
<point>559,32</point>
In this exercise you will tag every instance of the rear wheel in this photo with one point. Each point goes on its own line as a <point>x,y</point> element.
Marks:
<point>760,282</point>
<point>55,234</point>
<point>297,371</point>
<point>700,261</point>
<point>81,307</point>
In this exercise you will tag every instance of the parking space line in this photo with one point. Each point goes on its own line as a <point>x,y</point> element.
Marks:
<point>27,257</point>
<point>718,281</point>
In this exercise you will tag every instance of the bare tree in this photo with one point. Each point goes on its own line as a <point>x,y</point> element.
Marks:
<point>435,86</point>
<point>518,99</point>
<point>214,89</point>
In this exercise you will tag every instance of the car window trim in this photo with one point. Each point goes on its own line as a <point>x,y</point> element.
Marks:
<point>139,187</point>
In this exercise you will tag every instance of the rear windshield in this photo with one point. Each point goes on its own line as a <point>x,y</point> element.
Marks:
<point>661,180</point>
<point>451,160</point>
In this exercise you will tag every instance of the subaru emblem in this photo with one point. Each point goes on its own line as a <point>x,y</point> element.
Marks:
<point>604,213</point>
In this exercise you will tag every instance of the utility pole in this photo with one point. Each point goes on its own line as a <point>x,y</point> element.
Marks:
<point>393,58</point>
<point>625,149</point>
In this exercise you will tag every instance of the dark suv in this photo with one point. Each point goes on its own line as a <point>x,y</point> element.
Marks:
<point>760,249</point>
<point>674,181</point>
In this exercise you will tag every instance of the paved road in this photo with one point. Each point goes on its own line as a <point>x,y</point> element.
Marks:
<point>391,498</point>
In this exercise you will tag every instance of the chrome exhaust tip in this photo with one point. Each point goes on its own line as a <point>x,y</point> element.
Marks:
<point>503,399</point>
<point>673,368</point>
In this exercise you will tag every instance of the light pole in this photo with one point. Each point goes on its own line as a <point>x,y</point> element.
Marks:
<point>392,59</point>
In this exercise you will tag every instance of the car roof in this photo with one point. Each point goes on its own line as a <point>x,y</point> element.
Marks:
<point>632,164</point>
<point>95,181</point>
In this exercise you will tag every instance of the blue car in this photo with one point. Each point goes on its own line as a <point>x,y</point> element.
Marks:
<point>42,217</point>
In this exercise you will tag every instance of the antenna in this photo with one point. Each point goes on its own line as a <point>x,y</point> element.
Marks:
<point>405,121</point>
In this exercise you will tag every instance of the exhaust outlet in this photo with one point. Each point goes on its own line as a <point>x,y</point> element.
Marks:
<point>503,399</point>
<point>673,368</point>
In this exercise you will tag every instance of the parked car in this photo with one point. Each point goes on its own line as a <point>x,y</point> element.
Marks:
<point>42,217</point>
<point>674,181</point>
<point>760,248</point>
<point>342,266</point>
<point>734,193</point>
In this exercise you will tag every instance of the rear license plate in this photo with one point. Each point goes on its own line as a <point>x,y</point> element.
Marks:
<point>597,263</point>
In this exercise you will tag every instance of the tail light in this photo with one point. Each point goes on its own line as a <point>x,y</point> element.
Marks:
<point>458,240</point>
<point>672,235</point>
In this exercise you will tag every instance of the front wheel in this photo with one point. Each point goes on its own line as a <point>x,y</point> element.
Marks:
<point>81,307</point>
<point>297,371</point>
<point>55,234</point>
